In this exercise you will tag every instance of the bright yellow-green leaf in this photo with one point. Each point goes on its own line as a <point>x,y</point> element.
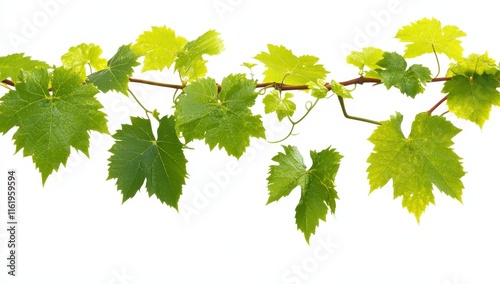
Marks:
<point>427,35</point>
<point>340,90</point>
<point>78,57</point>
<point>317,89</point>
<point>471,98</point>
<point>190,62</point>
<point>417,162</point>
<point>282,106</point>
<point>474,64</point>
<point>366,60</point>
<point>11,65</point>
<point>283,66</point>
<point>159,48</point>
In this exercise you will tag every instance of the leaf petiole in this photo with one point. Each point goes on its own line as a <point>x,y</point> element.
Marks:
<point>154,113</point>
<point>437,61</point>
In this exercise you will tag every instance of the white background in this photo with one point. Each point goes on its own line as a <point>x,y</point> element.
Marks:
<point>75,229</point>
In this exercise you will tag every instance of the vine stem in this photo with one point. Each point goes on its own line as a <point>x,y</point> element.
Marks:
<point>284,87</point>
<point>280,86</point>
<point>346,115</point>
<point>429,112</point>
<point>154,83</point>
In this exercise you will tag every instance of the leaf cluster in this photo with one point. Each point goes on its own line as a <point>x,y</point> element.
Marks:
<point>53,109</point>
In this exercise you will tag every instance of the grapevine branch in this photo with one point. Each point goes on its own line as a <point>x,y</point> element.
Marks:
<point>285,87</point>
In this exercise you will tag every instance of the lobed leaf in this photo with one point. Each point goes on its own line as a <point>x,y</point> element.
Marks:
<point>190,62</point>
<point>318,194</point>
<point>159,48</point>
<point>138,156</point>
<point>11,65</point>
<point>428,36</point>
<point>394,74</point>
<point>283,66</point>
<point>368,57</point>
<point>416,163</point>
<point>471,98</point>
<point>49,124</point>
<point>475,64</point>
<point>81,55</point>
<point>116,76</point>
<point>283,107</point>
<point>224,118</point>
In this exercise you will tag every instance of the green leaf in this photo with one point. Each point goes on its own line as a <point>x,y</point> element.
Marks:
<point>283,107</point>
<point>475,64</point>
<point>248,65</point>
<point>340,90</point>
<point>471,98</point>
<point>318,192</point>
<point>190,62</point>
<point>138,155</point>
<point>395,74</point>
<point>49,124</point>
<point>81,55</point>
<point>283,66</point>
<point>416,163</point>
<point>224,118</point>
<point>367,57</point>
<point>116,75</point>
<point>159,47</point>
<point>427,35</point>
<point>11,65</point>
<point>317,89</point>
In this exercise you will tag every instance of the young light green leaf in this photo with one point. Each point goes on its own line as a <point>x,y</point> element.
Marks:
<point>416,163</point>
<point>283,66</point>
<point>475,64</point>
<point>190,62</point>
<point>138,155</point>
<point>11,65</point>
<point>340,90</point>
<point>248,65</point>
<point>368,57</point>
<point>50,124</point>
<point>317,184</point>
<point>81,55</point>
<point>427,35</point>
<point>283,107</point>
<point>317,88</point>
<point>224,118</point>
<point>116,75</point>
<point>394,73</point>
<point>159,47</point>
<point>471,98</point>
